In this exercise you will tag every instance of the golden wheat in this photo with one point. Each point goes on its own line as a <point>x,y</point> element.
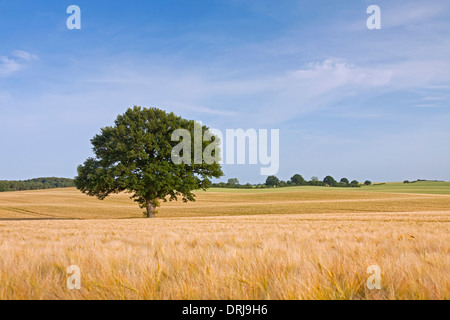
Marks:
<point>71,204</point>
<point>302,256</point>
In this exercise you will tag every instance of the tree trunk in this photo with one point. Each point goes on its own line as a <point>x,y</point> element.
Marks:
<point>151,210</point>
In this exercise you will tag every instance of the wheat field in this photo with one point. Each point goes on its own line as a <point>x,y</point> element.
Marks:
<point>69,203</point>
<point>292,244</point>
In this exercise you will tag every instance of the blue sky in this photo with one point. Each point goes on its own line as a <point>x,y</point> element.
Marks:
<point>348,101</point>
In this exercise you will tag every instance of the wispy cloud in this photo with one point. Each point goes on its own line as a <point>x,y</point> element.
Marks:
<point>10,65</point>
<point>270,98</point>
<point>317,85</point>
<point>24,55</point>
<point>413,13</point>
<point>429,105</point>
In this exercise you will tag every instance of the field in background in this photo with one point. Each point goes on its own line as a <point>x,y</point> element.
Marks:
<point>69,203</point>
<point>427,187</point>
<point>289,243</point>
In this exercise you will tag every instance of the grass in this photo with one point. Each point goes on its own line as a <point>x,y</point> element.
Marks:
<point>425,187</point>
<point>290,243</point>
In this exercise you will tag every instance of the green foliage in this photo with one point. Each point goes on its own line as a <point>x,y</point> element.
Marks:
<point>354,184</point>
<point>233,182</point>
<point>298,180</point>
<point>329,180</point>
<point>316,182</point>
<point>36,184</point>
<point>135,155</point>
<point>295,180</point>
<point>367,182</point>
<point>272,181</point>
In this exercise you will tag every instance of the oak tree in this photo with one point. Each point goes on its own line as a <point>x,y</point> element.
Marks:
<point>135,156</point>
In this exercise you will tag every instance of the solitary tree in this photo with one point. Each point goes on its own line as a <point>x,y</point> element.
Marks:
<point>367,182</point>
<point>135,155</point>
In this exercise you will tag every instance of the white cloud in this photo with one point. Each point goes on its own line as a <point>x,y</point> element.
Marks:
<point>244,100</point>
<point>318,85</point>
<point>9,65</point>
<point>177,105</point>
<point>412,13</point>
<point>434,98</point>
<point>333,73</point>
<point>430,105</point>
<point>24,55</point>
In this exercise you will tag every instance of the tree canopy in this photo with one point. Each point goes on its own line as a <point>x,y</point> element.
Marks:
<point>272,181</point>
<point>298,180</point>
<point>233,182</point>
<point>329,180</point>
<point>354,183</point>
<point>135,155</point>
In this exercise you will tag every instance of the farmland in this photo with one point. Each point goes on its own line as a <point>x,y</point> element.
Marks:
<point>286,243</point>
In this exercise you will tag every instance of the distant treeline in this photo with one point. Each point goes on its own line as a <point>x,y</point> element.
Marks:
<point>36,184</point>
<point>295,180</point>
<point>422,180</point>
